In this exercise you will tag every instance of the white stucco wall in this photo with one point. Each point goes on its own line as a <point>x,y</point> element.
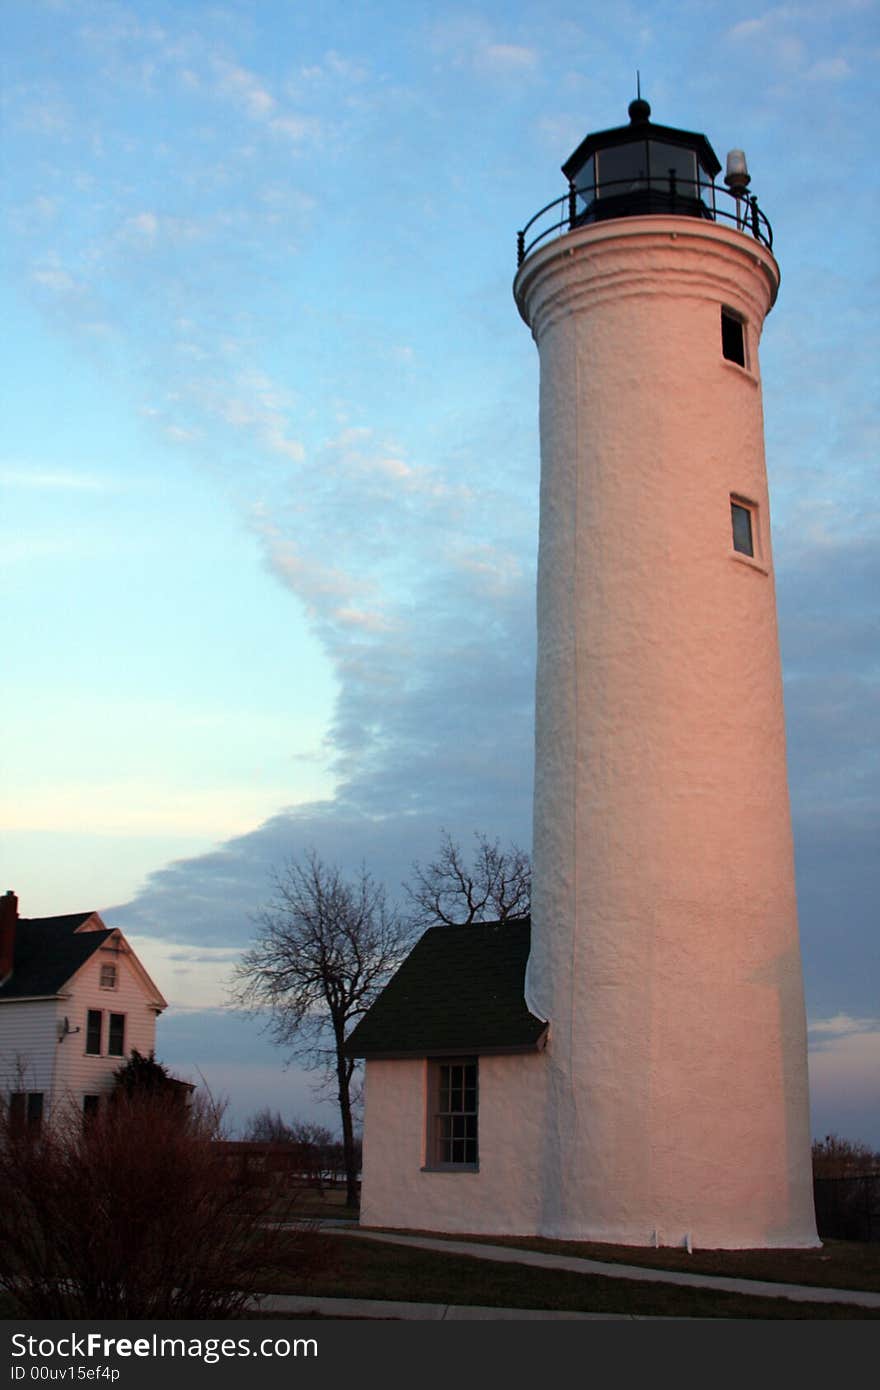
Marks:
<point>503,1196</point>
<point>664,940</point>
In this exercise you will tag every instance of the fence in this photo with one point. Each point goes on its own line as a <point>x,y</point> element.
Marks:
<point>848,1208</point>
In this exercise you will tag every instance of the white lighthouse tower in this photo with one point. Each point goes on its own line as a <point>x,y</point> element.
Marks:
<point>664,946</point>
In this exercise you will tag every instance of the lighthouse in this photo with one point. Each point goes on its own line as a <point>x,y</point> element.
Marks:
<point>629,1066</point>
<point>664,950</point>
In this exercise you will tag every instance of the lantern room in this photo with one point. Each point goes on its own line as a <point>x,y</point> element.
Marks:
<point>642,168</point>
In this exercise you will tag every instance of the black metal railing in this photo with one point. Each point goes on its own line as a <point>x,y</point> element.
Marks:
<point>581,206</point>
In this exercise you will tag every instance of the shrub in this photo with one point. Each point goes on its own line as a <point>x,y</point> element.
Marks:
<point>131,1215</point>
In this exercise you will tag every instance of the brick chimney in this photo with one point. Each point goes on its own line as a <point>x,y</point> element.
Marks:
<point>8,920</point>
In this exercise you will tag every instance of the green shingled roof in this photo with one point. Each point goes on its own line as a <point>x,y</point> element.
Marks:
<point>460,990</point>
<point>47,952</point>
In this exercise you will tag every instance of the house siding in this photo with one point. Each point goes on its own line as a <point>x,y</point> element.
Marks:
<point>28,1046</point>
<point>79,1073</point>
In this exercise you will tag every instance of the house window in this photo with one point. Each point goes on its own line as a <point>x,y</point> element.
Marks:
<point>742,521</point>
<point>93,1032</point>
<point>90,1107</point>
<point>26,1109</point>
<point>452,1119</point>
<point>116,1036</point>
<point>108,976</point>
<point>733,337</point>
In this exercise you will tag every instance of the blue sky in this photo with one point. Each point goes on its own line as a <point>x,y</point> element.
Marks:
<point>269,457</point>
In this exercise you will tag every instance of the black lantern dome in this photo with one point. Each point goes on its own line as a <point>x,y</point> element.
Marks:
<point>642,168</point>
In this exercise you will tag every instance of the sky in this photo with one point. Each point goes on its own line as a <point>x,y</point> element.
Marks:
<point>269,456</point>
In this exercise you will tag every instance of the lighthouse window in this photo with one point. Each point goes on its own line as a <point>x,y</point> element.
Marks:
<point>743,538</point>
<point>673,163</point>
<point>452,1115</point>
<point>733,341</point>
<point>621,169</point>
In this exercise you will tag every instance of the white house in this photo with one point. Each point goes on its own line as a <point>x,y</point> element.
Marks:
<point>74,1002</point>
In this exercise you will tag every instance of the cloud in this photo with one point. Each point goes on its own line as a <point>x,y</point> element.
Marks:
<point>829,70</point>
<point>42,479</point>
<point>245,88</point>
<point>507,58</point>
<point>470,41</point>
<point>845,1082</point>
<point>145,224</point>
<point>57,280</point>
<point>842,1025</point>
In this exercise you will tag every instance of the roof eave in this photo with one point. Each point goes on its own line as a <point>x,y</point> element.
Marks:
<point>498,1050</point>
<point>644,130</point>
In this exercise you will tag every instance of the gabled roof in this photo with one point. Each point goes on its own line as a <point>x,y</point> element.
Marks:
<point>48,950</point>
<point>460,990</point>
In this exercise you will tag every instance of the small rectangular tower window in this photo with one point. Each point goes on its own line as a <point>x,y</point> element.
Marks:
<point>93,1032</point>
<point>733,338</point>
<point>741,517</point>
<point>452,1116</point>
<point>108,976</point>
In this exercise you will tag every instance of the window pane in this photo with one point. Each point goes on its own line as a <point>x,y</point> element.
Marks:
<point>683,163</point>
<point>621,169</point>
<point>583,182</point>
<point>93,1032</point>
<point>454,1121</point>
<point>742,529</point>
<point>35,1107</point>
<point>116,1040</point>
<point>732,338</point>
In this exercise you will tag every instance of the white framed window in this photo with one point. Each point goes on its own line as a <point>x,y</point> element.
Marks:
<point>109,976</point>
<point>116,1036</point>
<point>452,1129</point>
<point>94,1030</point>
<point>96,1037</point>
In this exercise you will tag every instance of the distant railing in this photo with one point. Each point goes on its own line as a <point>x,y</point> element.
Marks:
<point>581,206</point>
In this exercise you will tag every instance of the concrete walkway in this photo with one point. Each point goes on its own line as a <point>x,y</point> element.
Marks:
<point>378,1308</point>
<point>418,1312</point>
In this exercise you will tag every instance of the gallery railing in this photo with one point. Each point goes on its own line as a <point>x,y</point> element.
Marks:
<point>585,204</point>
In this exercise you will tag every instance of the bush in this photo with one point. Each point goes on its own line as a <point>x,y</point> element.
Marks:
<point>131,1215</point>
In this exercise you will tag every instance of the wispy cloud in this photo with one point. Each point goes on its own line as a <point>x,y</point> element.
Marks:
<point>507,58</point>
<point>43,479</point>
<point>471,41</point>
<point>842,1025</point>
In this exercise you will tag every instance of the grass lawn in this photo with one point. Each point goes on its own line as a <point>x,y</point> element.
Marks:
<point>341,1266</point>
<point>355,1268</point>
<point>838,1264</point>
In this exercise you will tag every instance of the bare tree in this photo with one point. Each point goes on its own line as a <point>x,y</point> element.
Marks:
<point>266,1127</point>
<point>324,949</point>
<point>495,886</point>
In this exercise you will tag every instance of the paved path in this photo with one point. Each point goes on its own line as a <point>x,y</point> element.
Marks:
<point>803,1293</point>
<point>421,1312</point>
